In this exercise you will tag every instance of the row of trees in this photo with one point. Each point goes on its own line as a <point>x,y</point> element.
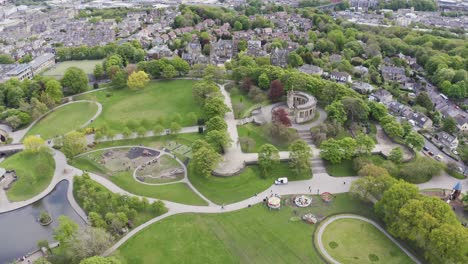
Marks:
<point>425,221</point>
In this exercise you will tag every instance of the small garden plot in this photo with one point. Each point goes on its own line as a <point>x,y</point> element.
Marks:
<point>161,170</point>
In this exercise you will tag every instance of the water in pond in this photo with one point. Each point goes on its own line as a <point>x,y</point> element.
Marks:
<point>19,230</point>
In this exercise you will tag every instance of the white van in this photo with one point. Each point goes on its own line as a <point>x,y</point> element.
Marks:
<point>281,181</point>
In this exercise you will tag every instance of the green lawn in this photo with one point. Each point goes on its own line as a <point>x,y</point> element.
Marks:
<point>177,192</point>
<point>355,241</point>
<point>64,120</point>
<point>59,69</point>
<point>159,100</point>
<point>240,98</point>
<point>34,171</point>
<point>258,135</point>
<point>237,188</point>
<point>251,235</point>
<point>343,169</point>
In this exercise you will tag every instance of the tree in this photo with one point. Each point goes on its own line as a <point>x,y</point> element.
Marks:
<point>414,140</point>
<point>137,80</point>
<point>393,199</point>
<point>295,60</point>
<point>393,129</point>
<point>90,241</point>
<point>372,170</point>
<point>337,38</point>
<point>280,116</point>
<point>158,130</point>
<point>65,230</point>
<point>449,125</point>
<point>76,80</point>
<point>96,220</point>
<point>203,90</point>
<point>366,188</point>
<point>33,144</point>
<point>445,244</point>
<point>268,156</point>
<point>420,170</point>
<point>215,107</point>
<point>73,143</point>
<point>119,79</point>
<point>37,108</point>
<point>300,155</point>
<point>175,127</point>
<point>237,26</point>
<point>53,89</point>
<point>218,139</point>
<point>396,155</point>
<point>337,112</point>
<point>6,59</point>
<point>276,91</point>
<point>98,71</point>
<point>180,65</point>
<point>216,123</point>
<point>365,144</point>
<point>425,101</point>
<point>263,81</point>
<point>356,109</point>
<point>100,260</point>
<point>331,150</point>
<point>204,160</point>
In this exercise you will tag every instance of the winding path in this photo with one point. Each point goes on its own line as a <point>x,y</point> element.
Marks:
<point>19,134</point>
<point>329,220</point>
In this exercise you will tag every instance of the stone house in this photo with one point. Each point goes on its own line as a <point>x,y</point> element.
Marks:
<point>341,77</point>
<point>362,87</point>
<point>383,96</point>
<point>279,57</point>
<point>447,140</point>
<point>311,69</point>
<point>390,73</point>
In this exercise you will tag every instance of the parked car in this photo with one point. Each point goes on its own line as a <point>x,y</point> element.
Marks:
<point>438,157</point>
<point>455,152</point>
<point>281,181</point>
<point>425,148</point>
<point>430,153</point>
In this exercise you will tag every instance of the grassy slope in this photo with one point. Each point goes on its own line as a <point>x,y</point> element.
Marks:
<point>357,239</point>
<point>64,120</point>
<point>158,99</point>
<point>34,170</point>
<point>256,133</point>
<point>251,235</point>
<point>237,188</point>
<point>178,192</point>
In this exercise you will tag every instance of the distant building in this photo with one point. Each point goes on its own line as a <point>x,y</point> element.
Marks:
<point>311,69</point>
<point>302,106</point>
<point>21,72</point>
<point>382,96</point>
<point>362,87</point>
<point>279,57</point>
<point>397,74</point>
<point>447,139</point>
<point>341,77</point>
<point>42,63</point>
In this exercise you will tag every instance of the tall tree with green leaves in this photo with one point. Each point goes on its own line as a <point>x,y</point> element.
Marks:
<point>268,157</point>
<point>300,155</point>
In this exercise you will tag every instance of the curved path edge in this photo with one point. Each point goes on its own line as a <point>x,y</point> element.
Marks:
<point>331,219</point>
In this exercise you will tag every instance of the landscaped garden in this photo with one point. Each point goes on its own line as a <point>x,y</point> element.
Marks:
<point>259,136</point>
<point>242,104</point>
<point>245,185</point>
<point>356,241</point>
<point>161,101</point>
<point>64,120</point>
<point>118,165</point>
<point>59,69</point>
<point>34,172</point>
<point>251,235</point>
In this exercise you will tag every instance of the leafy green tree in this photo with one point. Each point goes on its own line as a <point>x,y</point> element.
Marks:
<point>393,129</point>
<point>415,141</point>
<point>215,107</point>
<point>218,139</point>
<point>216,123</point>
<point>204,160</point>
<point>337,38</point>
<point>365,144</point>
<point>119,80</point>
<point>445,244</point>
<point>73,143</point>
<point>449,125</point>
<point>89,241</point>
<point>180,65</point>
<point>237,26</point>
<point>393,200</point>
<point>337,112</point>
<point>65,230</point>
<point>425,101</point>
<point>263,81</point>
<point>203,90</point>
<point>175,127</point>
<point>366,187</point>
<point>137,80</point>
<point>6,59</point>
<point>53,89</point>
<point>96,220</point>
<point>268,157</point>
<point>169,71</point>
<point>372,170</point>
<point>356,109</point>
<point>396,155</point>
<point>331,150</point>
<point>98,71</point>
<point>300,155</point>
<point>158,129</point>
<point>295,60</point>
<point>76,80</point>
<point>33,144</point>
<point>100,260</point>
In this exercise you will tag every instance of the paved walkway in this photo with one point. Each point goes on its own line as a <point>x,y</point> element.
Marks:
<point>331,219</point>
<point>385,145</point>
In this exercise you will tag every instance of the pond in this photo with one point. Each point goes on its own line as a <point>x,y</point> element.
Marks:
<point>19,230</point>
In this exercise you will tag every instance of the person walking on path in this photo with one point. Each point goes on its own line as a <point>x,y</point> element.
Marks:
<point>310,188</point>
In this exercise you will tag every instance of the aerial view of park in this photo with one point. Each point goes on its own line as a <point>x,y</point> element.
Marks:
<point>253,132</point>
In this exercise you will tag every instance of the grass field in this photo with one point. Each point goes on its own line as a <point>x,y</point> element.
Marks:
<point>64,120</point>
<point>159,100</point>
<point>355,241</point>
<point>343,169</point>
<point>34,171</point>
<point>237,188</point>
<point>258,135</point>
<point>177,192</point>
<point>251,235</point>
<point>59,69</point>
